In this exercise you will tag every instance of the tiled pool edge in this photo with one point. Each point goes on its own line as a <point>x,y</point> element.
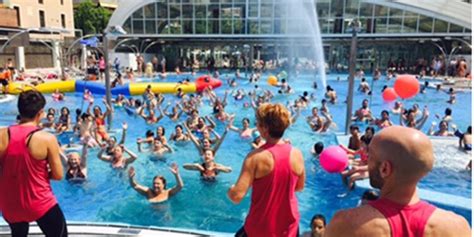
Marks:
<point>428,195</point>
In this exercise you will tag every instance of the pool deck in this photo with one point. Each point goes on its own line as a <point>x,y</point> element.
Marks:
<point>80,229</point>
<point>428,195</point>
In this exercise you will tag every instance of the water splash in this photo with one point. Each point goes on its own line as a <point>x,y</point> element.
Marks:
<point>305,37</point>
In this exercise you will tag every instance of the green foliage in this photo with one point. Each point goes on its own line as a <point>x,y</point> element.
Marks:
<point>91,18</point>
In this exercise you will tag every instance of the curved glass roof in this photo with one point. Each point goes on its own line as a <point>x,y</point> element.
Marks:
<point>271,17</point>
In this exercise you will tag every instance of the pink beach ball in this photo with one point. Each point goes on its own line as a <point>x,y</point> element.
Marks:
<point>334,159</point>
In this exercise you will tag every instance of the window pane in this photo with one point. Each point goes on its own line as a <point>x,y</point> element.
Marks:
<point>253,10</point>
<point>322,8</point>
<point>201,26</point>
<point>150,11</point>
<point>396,12</point>
<point>266,10</point>
<point>138,26</point>
<point>366,9</point>
<point>226,24</point>
<point>188,11</point>
<point>127,26</point>
<point>266,26</point>
<point>200,11</point>
<point>239,26</point>
<point>253,27</point>
<point>410,24</point>
<point>426,24</point>
<point>150,26</point>
<point>395,25</point>
<point>162,11</point>
<point>175,27</point>
<point>187,27</point>
<point>351,8</point>
<point>440,26</point>
<point>213,26</point>
<point>336,8</point>
<point>138,13</point>
<point>324,26</point>
<point>380,11</point>
<point>455,28</point>
<point>162,27</point>
<point>380,25</point>
<point>175,11</point>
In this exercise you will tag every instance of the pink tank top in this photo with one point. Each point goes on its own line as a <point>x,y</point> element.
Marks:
<point>274,208</point>
<point>25,191</point>
<point>405,221</point>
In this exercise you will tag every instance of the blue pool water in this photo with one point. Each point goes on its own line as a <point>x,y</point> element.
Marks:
<point>107,196</point>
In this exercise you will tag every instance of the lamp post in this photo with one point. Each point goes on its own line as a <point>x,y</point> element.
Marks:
<point>108,94</point>
<point>355,26</point>
<point>246,52</point>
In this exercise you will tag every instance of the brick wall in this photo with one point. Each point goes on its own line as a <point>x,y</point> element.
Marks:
<point>9,17</point>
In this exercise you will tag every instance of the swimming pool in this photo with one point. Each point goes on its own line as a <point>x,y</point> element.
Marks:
<point>107,196</point>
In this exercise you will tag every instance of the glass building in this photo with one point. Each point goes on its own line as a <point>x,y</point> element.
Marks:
<point>265,24</point>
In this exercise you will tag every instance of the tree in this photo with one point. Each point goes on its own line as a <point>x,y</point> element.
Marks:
<point>92,19</point>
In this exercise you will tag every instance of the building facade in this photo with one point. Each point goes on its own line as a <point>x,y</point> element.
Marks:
<point>48,23</point>
<point>266,25</point>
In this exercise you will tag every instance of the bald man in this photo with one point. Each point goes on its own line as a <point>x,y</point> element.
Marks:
<point>398,158</point>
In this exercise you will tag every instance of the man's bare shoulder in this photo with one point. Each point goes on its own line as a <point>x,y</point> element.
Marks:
<point>447,223</point>
<point>359,221</point>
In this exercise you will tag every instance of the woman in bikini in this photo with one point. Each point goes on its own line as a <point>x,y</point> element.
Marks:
<point>246,131</point>
<point>209,169</point>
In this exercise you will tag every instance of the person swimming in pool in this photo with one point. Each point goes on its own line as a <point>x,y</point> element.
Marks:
<point>206,143</point>
<point>384,120</point>
<point>111,143</point>
<point>363,113</point>
<point>176,112</point>
<point>179,135</point>
<point>99,118</point>
<point>209,169</point>
<point>75,164</point>
<point>158,192</point>
<point>246,131</point>
<point>117,159</point>
<point>64,122</point>
<point>151,118</point>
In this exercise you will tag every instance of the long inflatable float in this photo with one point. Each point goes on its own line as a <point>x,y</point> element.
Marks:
<point>129,89</point>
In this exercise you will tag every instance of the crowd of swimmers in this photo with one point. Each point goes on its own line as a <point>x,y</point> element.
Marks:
<point>191,126</point>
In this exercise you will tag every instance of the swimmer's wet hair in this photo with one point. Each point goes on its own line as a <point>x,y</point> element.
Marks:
<point>275,117</point>
<point>30,103</point>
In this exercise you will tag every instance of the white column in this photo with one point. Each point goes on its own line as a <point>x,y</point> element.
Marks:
<point>20,57</point>
<point>83,56</point>
<point>56,61</point>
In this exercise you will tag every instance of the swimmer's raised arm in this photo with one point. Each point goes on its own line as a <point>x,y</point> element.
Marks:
<point>84,154</point>
<point>212,122</point>
<point>103,157</point>
<point>179,181</point>
<point>132,155</point>
<point>195,166</point>
<point>139,188</point>
<point>219,142</point>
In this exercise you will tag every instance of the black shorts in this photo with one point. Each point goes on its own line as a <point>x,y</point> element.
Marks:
<point>4,82</point>
<point>102,70</point>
